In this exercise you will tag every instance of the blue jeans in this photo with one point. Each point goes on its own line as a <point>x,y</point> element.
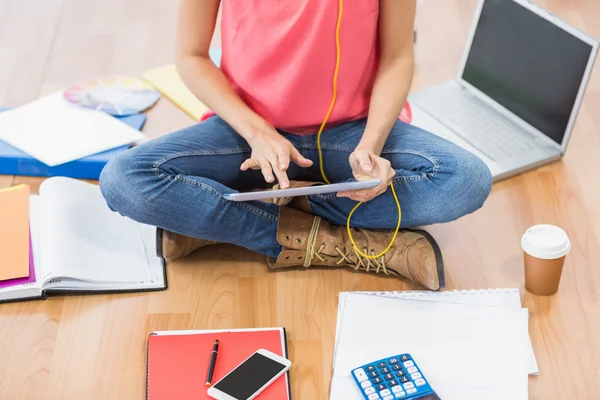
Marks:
<point>177,182</point>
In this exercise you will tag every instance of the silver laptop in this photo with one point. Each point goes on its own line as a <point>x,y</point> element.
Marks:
<point>518,90</point>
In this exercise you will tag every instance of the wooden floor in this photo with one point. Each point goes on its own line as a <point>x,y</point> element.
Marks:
<point>93,347</point>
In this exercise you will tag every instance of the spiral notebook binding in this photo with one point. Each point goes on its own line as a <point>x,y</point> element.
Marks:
<point>424,293</point>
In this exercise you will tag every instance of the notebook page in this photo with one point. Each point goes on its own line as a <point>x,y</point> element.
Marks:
<point>55,131</point>
<point>455,345</point>
<point>504,297</point>
<point>157,269</point>
<point>81,238</point>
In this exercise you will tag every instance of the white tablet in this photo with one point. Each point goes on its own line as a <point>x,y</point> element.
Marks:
<point>294,192</point>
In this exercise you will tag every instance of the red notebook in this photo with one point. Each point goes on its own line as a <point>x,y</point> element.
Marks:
<point>177,363</point>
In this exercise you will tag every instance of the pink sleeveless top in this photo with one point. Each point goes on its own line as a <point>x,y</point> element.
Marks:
<point>280,55</point>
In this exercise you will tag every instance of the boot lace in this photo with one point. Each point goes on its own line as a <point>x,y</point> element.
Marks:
<point>368,264</point>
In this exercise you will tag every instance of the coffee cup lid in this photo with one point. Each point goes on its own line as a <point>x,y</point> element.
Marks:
<point>546,242</point>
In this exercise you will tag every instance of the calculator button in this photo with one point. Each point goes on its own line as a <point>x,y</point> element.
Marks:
<point>382,364</point>
<point>412,370</point>
<point>385,370</point>
<point>409,385</point>
<point>397,367</point>
<point>420,382</point>
<point>416,375</point>
<point>393,361</point>
<point>377,380</point>
<point>385,392</point>
<point>381,387</point>
<point>373,396</point>
<point>370,368</point>
<point>373,374</point>
<point>405,357</point>
<point>404,379</point>
<point>360,374</point>
<point>390,397</point>
<point>393,382</point>
<point>401,373</point>
<point>365,384</point>
<point>409,391</point>
<point>400,394</point>
<point>409,364</point>
<point>388,377</point>
<point>396,389</point>
<point>370,390</point>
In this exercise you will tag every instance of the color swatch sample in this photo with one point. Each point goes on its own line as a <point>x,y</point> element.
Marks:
<point>115,95</point>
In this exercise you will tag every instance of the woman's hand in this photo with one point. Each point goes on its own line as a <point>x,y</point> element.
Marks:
<point>272,153</point>
<point>366,165</point>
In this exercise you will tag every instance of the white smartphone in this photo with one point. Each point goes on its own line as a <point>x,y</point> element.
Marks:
<point>305,191</point>
<point>250,377</point>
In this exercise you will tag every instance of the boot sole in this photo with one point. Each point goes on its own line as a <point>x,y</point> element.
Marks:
<point>159,235</point>
<point>438,256</point>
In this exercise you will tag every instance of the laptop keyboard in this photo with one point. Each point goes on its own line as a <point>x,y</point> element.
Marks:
<point>492,134</point>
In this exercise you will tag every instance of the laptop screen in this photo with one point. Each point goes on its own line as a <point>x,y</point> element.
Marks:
<point>528,65</point>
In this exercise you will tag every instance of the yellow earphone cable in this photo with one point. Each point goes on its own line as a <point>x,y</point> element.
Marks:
<point>335,75</point>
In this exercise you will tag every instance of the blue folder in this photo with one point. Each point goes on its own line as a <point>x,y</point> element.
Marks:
<point>15,162</point>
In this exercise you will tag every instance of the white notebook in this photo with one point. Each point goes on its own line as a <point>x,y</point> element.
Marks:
<point>504,297</point>
<point>81,246</point>
<point>459,347</point>
<point>55,131</point>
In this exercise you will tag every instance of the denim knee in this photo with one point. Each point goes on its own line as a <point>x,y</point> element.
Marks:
<point>467,183</point>
<point>478,183</point>
<point>118,184</point>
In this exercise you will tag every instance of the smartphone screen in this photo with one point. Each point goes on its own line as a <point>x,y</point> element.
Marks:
<point>250,376</point>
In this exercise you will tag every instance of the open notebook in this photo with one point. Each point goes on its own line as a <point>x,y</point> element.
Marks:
<point>81,246</point>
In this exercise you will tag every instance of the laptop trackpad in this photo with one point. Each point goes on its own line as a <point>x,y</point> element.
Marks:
<point>424,121</point>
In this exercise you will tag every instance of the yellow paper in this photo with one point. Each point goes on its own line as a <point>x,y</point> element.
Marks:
<point>167,81</point>
<point>14,232</point>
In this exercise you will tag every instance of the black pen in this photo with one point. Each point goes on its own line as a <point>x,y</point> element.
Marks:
<point>213,360</point>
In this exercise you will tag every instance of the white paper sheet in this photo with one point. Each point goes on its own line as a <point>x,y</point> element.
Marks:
<point>492,297</point>
<point>55,131</point>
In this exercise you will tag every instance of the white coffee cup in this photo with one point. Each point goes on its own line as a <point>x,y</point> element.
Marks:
<point>545,248</point>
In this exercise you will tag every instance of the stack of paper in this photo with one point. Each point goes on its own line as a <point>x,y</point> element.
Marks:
<point>469,344</point>
<point>55,131</point>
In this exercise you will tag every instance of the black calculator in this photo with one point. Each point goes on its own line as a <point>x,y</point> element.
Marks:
<point>391,378</point>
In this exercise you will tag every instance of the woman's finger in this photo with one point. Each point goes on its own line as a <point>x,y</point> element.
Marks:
<point>364,161</point>
<point>281,176</point>
<point>250,163</point>
<point>266,169</point>
<point>300,159</point>
<point>284,159</point>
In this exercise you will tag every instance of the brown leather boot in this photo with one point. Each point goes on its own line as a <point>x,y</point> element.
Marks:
<point>308,240</point>
<point>172,246</point>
